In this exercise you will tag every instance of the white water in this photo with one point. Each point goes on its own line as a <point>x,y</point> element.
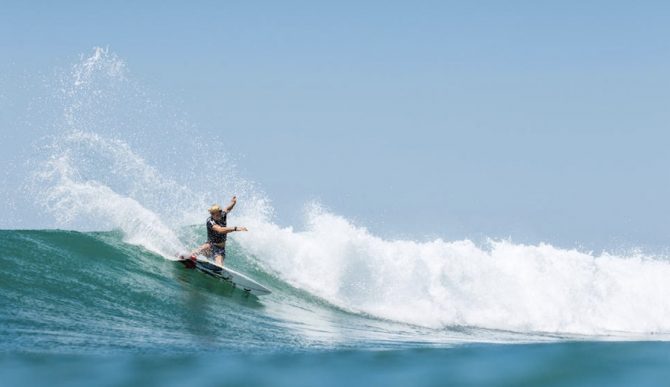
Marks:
<point>437,284</point>
<point>94,181</point>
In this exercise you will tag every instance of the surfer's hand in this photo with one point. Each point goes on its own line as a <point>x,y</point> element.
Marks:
<point>242,229</point>
<point>233,200</point>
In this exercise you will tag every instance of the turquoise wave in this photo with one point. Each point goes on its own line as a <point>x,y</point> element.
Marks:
<point>74,292</point>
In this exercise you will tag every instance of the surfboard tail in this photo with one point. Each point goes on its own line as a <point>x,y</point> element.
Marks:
<point>187,260</point>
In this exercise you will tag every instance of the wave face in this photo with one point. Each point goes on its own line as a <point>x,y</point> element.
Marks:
<point>334,283</point>
<point>73,292</point>
<point>67,291</point>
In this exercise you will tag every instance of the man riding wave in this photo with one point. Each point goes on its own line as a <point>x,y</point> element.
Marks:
<point>217,233</point>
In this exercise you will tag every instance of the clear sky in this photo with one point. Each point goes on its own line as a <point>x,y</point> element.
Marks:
<point>543,121</point>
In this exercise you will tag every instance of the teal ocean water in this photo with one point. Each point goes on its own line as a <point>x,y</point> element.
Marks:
<point>82,307</point>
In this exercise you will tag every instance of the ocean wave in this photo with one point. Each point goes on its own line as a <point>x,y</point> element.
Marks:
<point>89,180</point>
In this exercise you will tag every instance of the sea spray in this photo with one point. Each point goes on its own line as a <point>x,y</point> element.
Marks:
<point>90,182</point>
<point>103,167</point>
<point>70,199</point>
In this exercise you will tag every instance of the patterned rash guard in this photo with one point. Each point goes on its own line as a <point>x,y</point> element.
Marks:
<point>213,236</point>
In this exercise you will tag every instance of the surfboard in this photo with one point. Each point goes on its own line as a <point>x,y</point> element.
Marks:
<point>236,279</point>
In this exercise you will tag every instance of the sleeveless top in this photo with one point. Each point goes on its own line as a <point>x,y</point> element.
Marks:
<point>213,236</point>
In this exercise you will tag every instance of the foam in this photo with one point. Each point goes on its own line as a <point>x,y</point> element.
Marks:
<point>505,286</point>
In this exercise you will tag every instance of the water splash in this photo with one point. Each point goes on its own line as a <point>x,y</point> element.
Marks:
<point>93,172</point>
<point>88,88</point>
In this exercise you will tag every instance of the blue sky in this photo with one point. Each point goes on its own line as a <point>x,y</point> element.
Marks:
<point>535,120</point>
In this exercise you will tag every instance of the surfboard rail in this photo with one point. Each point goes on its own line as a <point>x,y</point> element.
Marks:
<point>227,274</point>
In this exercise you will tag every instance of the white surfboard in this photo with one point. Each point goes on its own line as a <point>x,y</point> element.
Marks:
<point>238,280</point>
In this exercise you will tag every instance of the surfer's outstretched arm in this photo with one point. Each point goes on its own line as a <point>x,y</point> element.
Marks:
<point>233,201</point>
<point>227,230</point>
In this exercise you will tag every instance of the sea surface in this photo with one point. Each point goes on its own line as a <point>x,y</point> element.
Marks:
<point>90,309</point>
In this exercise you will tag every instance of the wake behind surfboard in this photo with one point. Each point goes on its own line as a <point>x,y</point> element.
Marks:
<point>238,280</point>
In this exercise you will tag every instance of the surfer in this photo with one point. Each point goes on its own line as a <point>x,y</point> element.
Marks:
<point>217,232</point>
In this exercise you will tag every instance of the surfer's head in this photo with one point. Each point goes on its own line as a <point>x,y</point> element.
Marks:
<point>215,209</point>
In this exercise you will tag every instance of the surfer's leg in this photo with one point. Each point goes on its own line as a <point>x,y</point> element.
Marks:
<point>204,249</point>
<point>220,254</point>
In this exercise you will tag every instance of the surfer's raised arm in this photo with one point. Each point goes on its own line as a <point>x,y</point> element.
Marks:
<point>233,201</point>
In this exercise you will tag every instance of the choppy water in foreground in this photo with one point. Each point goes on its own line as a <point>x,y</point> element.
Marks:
<point>559,364</point>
